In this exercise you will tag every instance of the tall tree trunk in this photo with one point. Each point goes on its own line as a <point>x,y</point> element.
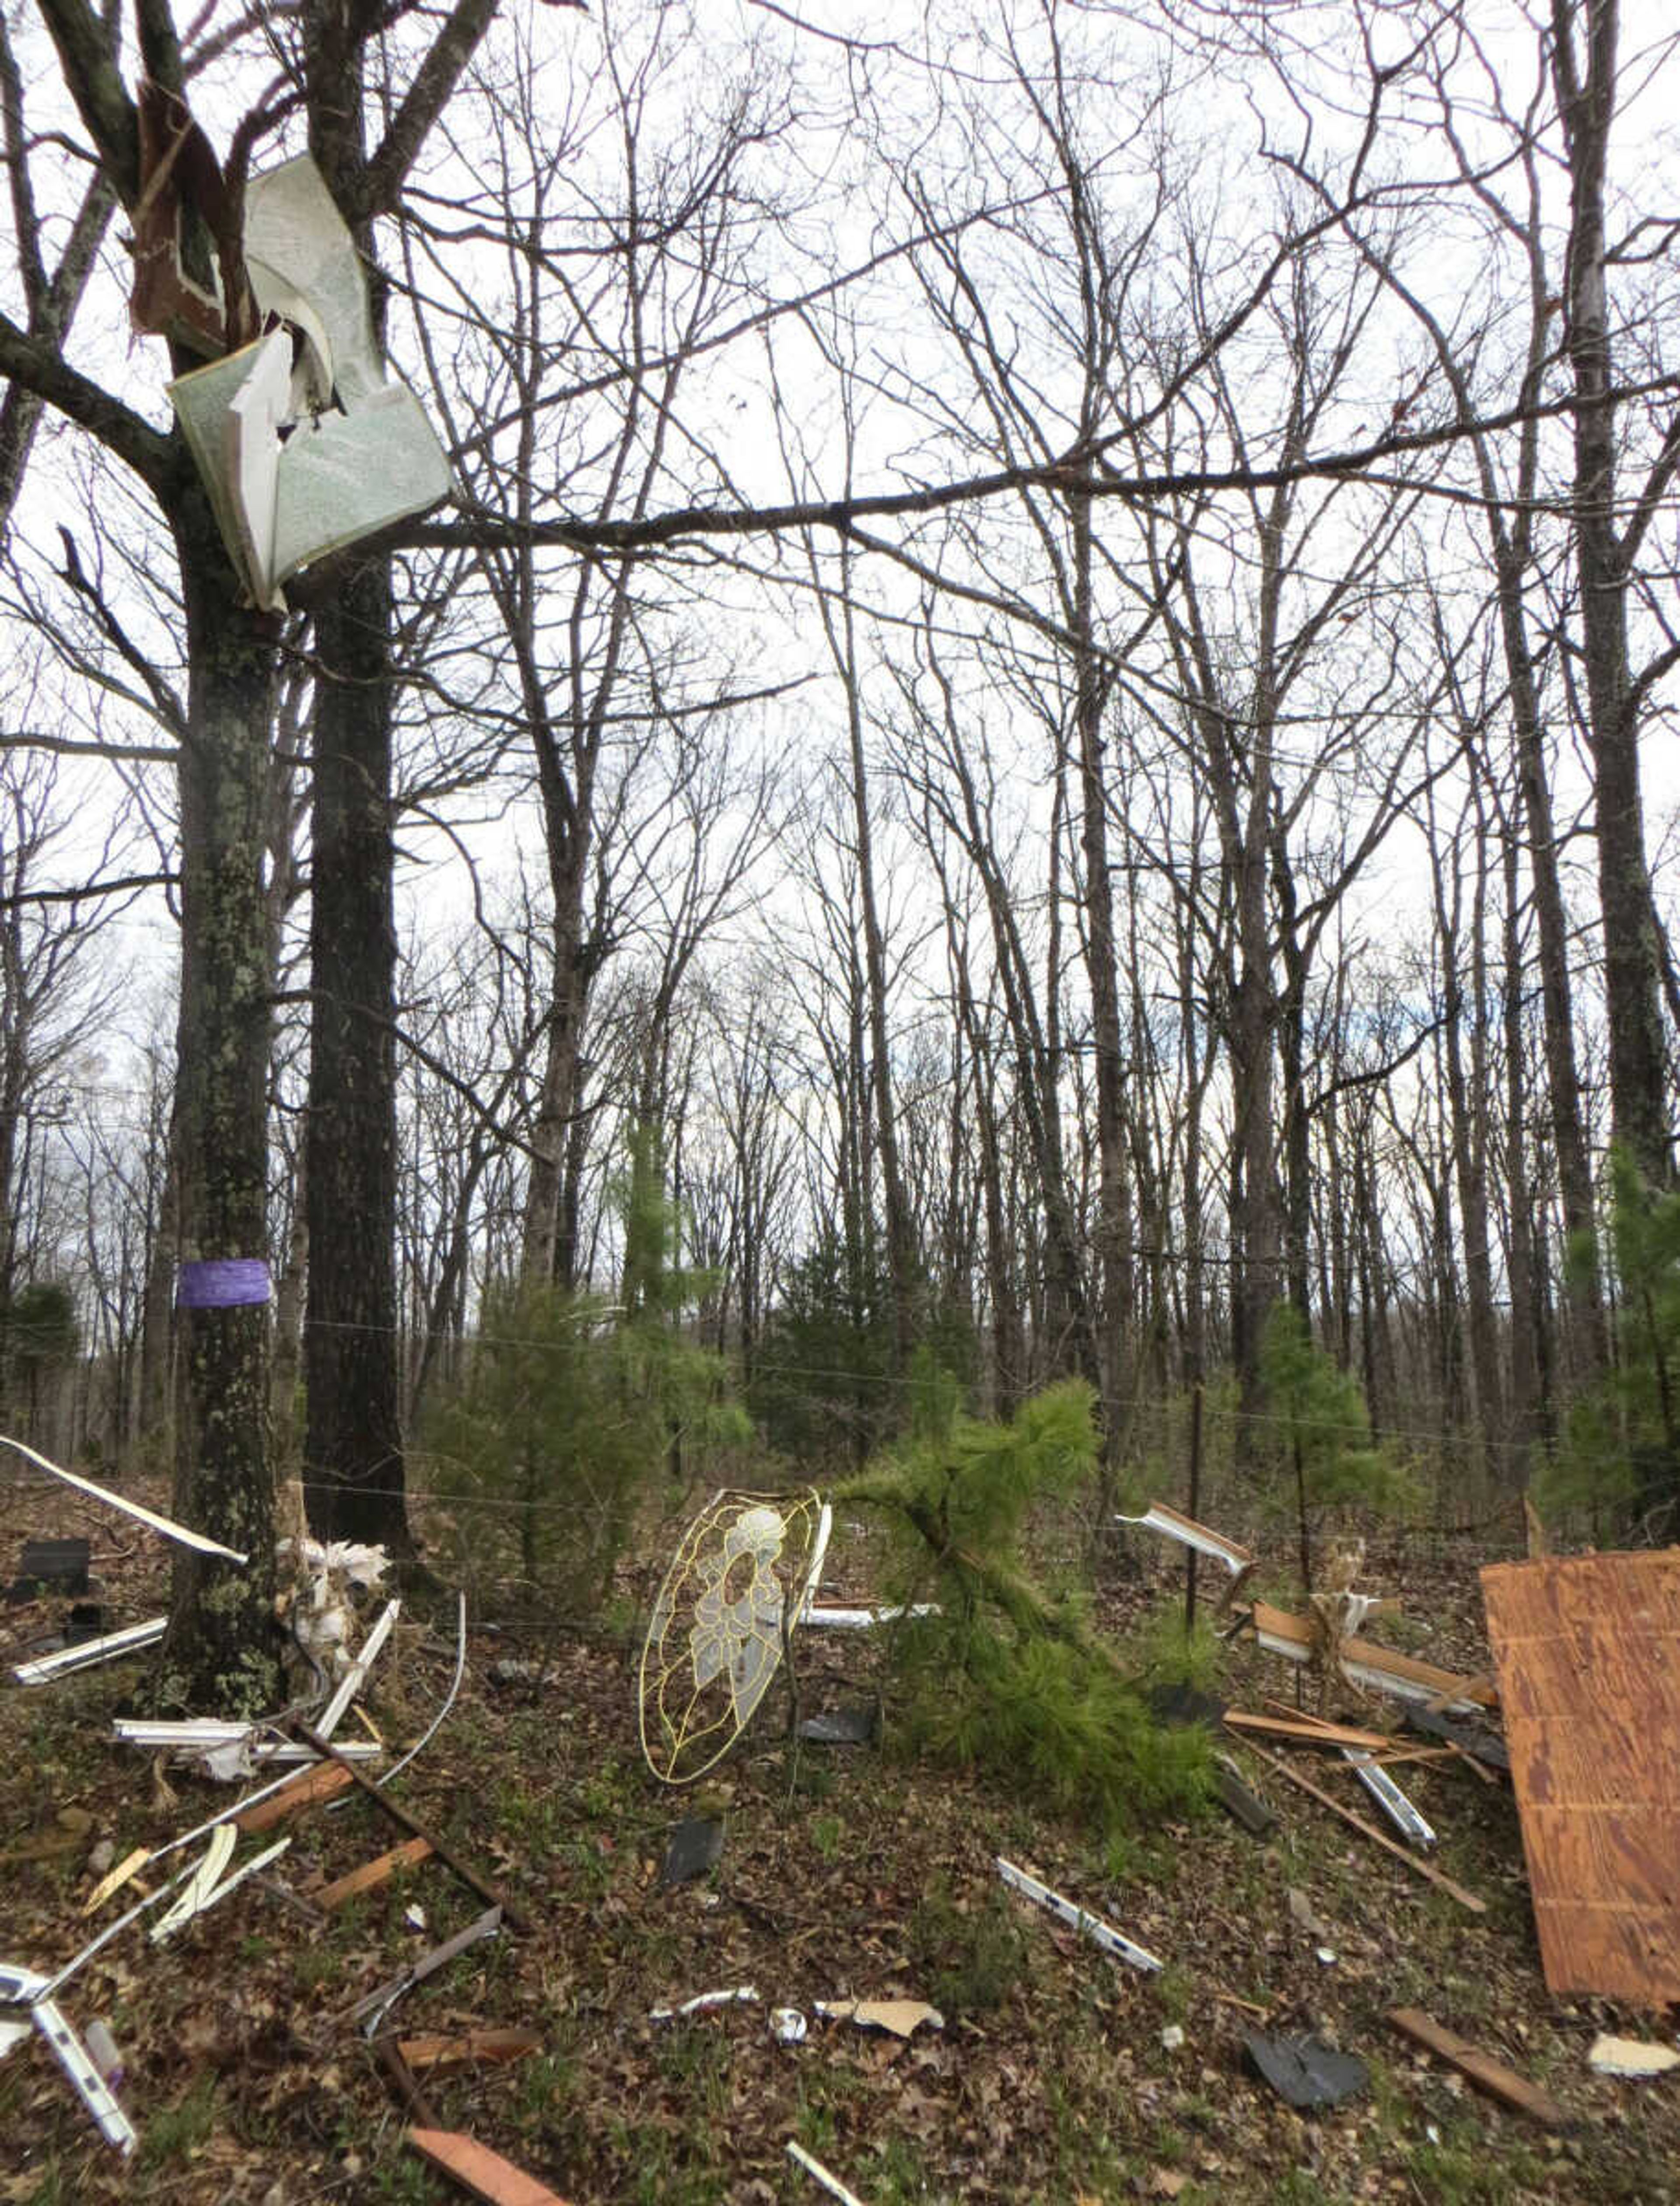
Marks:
<point>221,1651</point>
<point>353,1478</point>
<point>353,1448</point>
<point>1113,1235</point>
<point>1584,72</point>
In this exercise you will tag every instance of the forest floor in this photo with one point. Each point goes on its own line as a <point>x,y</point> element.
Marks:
<point>1057,2074</point>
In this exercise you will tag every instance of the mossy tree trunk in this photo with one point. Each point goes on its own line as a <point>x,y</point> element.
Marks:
<point>221,1653</point>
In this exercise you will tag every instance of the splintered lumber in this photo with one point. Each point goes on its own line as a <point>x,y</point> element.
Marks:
<point>480,2171</point>
<point>511,1911</point>
<point>1588,1650</point>
<point>466,2046</point>
<point>1365,1663</point>
<point>1309,1733</point>
<point>325,1780</point>
<point>389,2054</point>
<point>1416,1863</point>
<point>1481,2068</point>
<point>371,1874</point>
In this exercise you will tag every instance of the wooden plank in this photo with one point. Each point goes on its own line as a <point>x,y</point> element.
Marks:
<point>324,1781</point>
<point>512,1913</point>
<point>1487,2073</point>
<point>1588,1653</point>
<point>466,2046</point>
<point>1416,1863</point>
<point>1313,1734</point>
<point>480,2171</point>
<point>371,1874</point>
<point>1379,1666</point>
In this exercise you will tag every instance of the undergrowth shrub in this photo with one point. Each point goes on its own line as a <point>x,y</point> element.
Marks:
<point>1009,1677</point>
<point>563,1417</point>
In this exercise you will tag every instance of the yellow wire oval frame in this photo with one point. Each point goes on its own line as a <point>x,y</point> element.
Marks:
<point>746,1566</point>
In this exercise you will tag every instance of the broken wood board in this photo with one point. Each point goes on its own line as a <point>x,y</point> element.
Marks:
<point>514,1915</point>
<point>370,1876</point>
<point>1416,1863</point>
<point>1482,2069</point>
<point>480,2171</point>
<point>325,1781</point>
<point>1363,1662</point>
<point>1327,1735</point>
<point>1588,1651</point>
<point>464,2047</point>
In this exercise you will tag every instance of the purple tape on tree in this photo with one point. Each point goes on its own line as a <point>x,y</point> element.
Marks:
<point>221,1283</point>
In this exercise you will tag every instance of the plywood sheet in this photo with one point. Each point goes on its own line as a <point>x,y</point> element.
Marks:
<point>1587,1649</point>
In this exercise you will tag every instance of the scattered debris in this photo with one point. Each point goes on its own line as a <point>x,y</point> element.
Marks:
<point>224,1750</point>
<point>696,1846</point>
<point>1304,2071</point>
<point>745,1569</point>
<point>1182,1705</point>
<point>215,1898</point>
<point>1487,2073</point>
<point>498,1901</point>
<point>1400,1810</point>
<point>1308,1730</point>
<point>787,2025</point>
<point>480,2171</point>
<point>82,1657</point>
<point>304,443</point>
<point>1172,2038</point>
<point>1630,2057</point>
<point>900,2017</point>
<point>702,2002</point>
<point>1416,1863</point>
<point>371,2012</point>
<point>169,1529</point>
<point>853,1726</point>
<point>1238,1560</point>
<point>201,1883</point>
<point>1306,1920</point>
<point>1483,1749</point>
<point>1585,1647</point>
<point>1238,1800</point>
<point>1362,1662</point>
<point>21,1987</point>
<point>466,2047</point>
<point>351,1682</point>
<point>865,1619</point>
<point>1078,1918</point>
<point>814,2168</point>
<point>370,1876</point>
<point>324,1781</point>
<point>50,1566</point>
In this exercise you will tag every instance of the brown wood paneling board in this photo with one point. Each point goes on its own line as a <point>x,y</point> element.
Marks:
<point>1587,1649</point>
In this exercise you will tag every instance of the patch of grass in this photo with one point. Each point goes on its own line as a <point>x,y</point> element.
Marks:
<point>970,1956</point>
<point>175,2132</point>
<point>892,2172</point>
<point>826,1833</point>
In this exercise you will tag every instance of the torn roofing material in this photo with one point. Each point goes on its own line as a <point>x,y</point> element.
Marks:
<point>1588,1651</point>
<point>166,1525</point>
